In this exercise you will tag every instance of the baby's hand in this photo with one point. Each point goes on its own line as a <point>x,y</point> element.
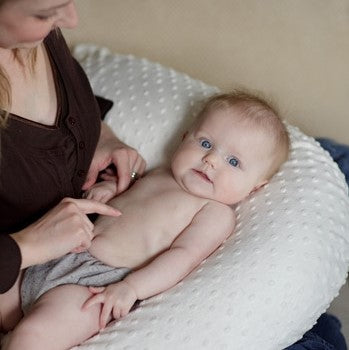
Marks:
<point>102,191</point>
<point>117,300</point>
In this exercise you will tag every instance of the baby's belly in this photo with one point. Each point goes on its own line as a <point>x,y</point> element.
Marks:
<point>118,252</point>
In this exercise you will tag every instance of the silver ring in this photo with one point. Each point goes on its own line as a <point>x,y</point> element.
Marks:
<point>134,175</point>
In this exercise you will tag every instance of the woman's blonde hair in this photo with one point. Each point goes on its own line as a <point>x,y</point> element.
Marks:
<point>5,90</point>
<point>5,86</point>
<point>5,97</point>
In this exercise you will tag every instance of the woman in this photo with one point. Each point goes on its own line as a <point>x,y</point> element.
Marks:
<point>53,145</point>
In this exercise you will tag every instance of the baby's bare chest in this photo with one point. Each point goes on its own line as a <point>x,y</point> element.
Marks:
<point>152,218</point>
<point>165,214</point>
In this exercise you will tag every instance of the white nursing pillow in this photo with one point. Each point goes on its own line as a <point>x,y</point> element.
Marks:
<point>285,263</point>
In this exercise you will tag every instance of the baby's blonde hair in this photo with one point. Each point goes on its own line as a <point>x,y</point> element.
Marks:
<point>259,111</point>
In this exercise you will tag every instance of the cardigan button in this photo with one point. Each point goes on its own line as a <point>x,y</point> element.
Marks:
<point>81,144</point>
<point>71,121</point>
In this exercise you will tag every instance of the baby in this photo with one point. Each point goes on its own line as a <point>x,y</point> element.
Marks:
<point>171,220</point>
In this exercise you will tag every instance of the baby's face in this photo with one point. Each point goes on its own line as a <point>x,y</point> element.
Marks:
<point>223,158</point>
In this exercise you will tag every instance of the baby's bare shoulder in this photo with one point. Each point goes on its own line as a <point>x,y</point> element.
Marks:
<point>211,225</point>
<point>221,209</point>
<point>217,215</point>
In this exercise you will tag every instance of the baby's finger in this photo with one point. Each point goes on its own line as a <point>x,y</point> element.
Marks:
<point>117,312</point>
<point>79,249</point>
<point>124,311</point>
<point>105,315</point>
<point>107,177</point>
<point>105,198</point>
<point>96,290</point>
<point>88,195</point>
<point>110,171</point>
<point>95,299</point>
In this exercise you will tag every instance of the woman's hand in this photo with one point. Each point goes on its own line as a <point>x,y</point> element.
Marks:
<point>110,150</point>
<point>116,299</point>
<point>63,229</point>
<point>102,191</point>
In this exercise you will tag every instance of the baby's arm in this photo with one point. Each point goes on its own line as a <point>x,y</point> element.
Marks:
<point>208,229</point>
<point>102,191</point>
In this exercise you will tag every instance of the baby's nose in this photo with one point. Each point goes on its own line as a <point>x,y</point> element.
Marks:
<point>211,158</point>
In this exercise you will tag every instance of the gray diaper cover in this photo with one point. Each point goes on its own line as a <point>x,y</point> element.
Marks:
<point>82,269</point>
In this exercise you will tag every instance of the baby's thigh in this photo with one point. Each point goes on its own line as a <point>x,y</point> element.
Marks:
<point>58,316</point>
<point>10,307</point>
<point>60,311</point>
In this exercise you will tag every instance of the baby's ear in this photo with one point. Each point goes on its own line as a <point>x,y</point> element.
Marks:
<point>257,187</point>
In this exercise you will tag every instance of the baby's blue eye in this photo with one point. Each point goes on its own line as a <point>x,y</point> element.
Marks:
<point>206,144</point>
<point>233,162</point>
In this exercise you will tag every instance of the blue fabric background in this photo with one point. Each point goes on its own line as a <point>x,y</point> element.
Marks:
<point>326,334</point>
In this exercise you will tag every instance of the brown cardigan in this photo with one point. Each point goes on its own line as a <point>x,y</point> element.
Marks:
<point>41,164</point>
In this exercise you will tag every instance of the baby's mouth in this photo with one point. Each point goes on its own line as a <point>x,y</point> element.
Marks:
<point>202,175</point>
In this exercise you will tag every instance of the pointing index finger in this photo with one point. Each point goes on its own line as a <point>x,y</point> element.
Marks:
<point>90,206</point>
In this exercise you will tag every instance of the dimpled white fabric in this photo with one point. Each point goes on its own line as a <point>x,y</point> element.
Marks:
<point>268,283</point>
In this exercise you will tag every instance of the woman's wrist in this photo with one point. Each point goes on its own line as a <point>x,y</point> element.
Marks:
<point>107,133</point>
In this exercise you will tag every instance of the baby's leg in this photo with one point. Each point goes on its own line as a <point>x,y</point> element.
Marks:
<point>10,307</point>
<point>56,321</point>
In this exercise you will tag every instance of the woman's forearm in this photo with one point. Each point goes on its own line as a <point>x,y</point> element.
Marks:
<point>10,262</point>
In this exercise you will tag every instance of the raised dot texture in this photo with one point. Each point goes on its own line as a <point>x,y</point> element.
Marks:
<point>233,299</point>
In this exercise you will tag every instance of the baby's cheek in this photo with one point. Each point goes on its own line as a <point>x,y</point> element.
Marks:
<point>230,190</point>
